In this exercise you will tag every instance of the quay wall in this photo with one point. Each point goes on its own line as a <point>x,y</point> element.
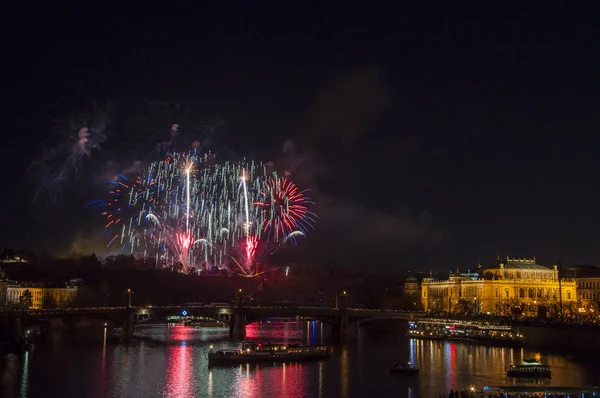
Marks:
<point>563,338</point>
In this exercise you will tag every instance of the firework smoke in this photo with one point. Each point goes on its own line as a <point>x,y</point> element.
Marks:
<point>58,165</point>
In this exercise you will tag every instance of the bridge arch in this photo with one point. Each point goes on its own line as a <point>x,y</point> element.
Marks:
<point>208,313</point>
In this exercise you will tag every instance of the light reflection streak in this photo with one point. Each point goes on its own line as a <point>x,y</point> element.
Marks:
<point>248,381</point>
<point>320,379</point>
<point>25,376</point>
<point>344,372</point>
<point>308,333</point>
<point>210,383</point>
<point>180,366</point>
<point>453,362</point>
<point>283,381</point>
<point>102,379</point>
<point>431,355</point>
<point>104,349</point>
<point>448,367</point>
<point>321,341</point>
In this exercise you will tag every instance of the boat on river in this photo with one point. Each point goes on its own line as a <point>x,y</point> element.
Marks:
<point>464,331</point>
<point>205,324</point>
<point>256,353</point>
<point>529,368</point>
<point>537,390</point>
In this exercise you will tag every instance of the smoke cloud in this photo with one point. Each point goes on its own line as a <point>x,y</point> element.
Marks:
<point>341,114</point>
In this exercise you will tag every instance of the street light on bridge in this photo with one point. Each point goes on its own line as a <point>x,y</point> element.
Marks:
<point>344,301</point>
<point>129,293</point>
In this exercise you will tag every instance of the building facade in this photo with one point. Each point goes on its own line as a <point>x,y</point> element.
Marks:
<point>588,288</point>
<point>412,287</point>
<point>42,294</point>
<point>3,292</point>
<point>513,287</point>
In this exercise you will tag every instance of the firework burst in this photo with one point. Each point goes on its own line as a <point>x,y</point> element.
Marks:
<point>284,209</point>
<point>189,210</point>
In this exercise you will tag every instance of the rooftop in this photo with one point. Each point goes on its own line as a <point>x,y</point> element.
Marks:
<point>520,263</point>
<point>53,285</point>
<point>525,265</point>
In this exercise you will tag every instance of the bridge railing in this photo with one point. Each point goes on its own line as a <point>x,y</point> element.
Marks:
<point>100,309</point>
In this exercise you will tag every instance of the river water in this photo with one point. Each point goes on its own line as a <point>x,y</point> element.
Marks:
<point>170,361</point>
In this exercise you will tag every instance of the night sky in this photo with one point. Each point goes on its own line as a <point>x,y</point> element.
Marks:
<point>430,137</point>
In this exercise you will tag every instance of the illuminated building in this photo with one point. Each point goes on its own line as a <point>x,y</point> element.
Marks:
<point>12,259</point>
<point>588,287</point>
<point>513,287</point>
<point>3,290</point>
<point>412,286</point>
<point>43,294</point>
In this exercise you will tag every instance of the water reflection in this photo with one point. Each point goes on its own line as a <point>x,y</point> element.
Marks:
<point>180,365</point>
<point>468,365</point>
<point>320,382</point>
<point>344,372</point>
<point>283,380</point>
<point>25,375</point>
<point>171,362</point>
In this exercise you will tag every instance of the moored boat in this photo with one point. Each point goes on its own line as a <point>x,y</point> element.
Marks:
<point>465,331</point>
<point>205,324</point>
<point>529,368</point>
<point>255,353</point>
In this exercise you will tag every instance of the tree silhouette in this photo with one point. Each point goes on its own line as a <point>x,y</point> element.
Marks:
<point>26,299</point>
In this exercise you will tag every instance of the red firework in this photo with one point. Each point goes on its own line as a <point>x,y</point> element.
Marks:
<point>284,208</point>
<point>251,246</point>
<point>184,241</point>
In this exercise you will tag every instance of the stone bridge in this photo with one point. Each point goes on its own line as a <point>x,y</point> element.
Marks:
<point>124,317</point>
<point>237,316</point>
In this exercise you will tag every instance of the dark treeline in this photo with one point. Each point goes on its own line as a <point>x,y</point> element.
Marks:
<point>106,282</point>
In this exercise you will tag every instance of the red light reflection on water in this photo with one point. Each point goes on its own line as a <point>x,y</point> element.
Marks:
<point>293,380</point>
<point>180,333</point>
<point>451,361</point>
<point>252,330</point>
<point>275,330</point>
<point>249,380</point>
<point>180,365</point>
<point>281,380</point>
